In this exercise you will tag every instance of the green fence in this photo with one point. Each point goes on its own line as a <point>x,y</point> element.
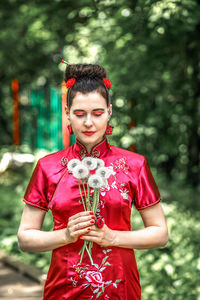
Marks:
<point>41,119</point>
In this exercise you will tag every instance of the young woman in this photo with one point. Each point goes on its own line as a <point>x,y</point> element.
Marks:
<point>113,272</point>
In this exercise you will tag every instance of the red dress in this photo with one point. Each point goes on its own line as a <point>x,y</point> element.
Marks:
<point>114,274</point>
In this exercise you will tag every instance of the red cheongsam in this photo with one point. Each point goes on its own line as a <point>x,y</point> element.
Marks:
<point>114,274</point>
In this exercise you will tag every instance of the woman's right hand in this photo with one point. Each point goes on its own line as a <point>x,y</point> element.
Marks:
<point>79,224</point>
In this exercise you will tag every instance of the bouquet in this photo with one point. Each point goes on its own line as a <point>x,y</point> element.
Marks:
<point>98,179</point>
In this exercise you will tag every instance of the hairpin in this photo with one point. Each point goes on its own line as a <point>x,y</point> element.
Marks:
<point>70,82</point>
<point>107,82</point>
<point>64,62</point>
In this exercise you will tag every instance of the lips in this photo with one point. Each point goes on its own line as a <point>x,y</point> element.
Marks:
<point>88,132</point>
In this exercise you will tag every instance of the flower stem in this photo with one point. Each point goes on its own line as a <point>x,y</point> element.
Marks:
<point>90,246</point>
<point>82,251</point>
<point>89,254</point>
<point>88,193</point>
<point>86,197</point>
<point>81,194</point>
<point>94,201</point>
<point>97,199</point>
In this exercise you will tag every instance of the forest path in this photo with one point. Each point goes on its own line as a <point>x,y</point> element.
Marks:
<point>16,285</point>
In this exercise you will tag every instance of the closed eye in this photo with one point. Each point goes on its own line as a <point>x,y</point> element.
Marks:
<point>98,114</point>
<point>79,114</point>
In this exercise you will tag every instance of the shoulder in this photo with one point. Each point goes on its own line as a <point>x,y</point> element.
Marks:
<point>132,159</point>
<point>53,161</point>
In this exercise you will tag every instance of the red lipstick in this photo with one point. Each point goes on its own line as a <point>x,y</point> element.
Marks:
<point>88,132</point>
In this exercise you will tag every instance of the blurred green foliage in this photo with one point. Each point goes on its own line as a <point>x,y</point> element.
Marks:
<point>171,272</point>
<point>12,188</point>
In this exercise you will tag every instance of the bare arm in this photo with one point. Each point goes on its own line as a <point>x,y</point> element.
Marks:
<point>155,233</point>
<point>31,238</point>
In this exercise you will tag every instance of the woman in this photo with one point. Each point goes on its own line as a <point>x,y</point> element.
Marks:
<point>113,274</point>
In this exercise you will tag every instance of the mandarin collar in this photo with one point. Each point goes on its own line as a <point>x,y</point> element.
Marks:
<point>98,150</point>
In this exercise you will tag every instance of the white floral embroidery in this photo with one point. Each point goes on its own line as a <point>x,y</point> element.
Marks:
<point>124,191</point>
<point>93,278</point>
<point>112,172</point>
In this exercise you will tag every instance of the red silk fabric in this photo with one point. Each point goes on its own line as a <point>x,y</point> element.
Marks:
<point>114,274</point>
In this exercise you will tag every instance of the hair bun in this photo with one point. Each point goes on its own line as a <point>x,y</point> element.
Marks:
<point>80,71</point>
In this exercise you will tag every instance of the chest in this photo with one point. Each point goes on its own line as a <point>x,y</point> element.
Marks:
<point>115,198</point>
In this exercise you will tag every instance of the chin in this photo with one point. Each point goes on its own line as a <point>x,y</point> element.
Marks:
<point>90,140</point>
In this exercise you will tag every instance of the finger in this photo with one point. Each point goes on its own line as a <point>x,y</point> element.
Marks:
<point>82,225</point>
<point>83,219</point>
<point>94,233</point>
<point>94,239</point>
<point>81,214</point>
<point>82,232</point>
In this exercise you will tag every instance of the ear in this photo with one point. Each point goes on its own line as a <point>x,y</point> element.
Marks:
<point>67,111</point>
<point>110,110</point>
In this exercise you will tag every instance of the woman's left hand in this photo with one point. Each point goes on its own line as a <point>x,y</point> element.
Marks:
<point>103,236</point>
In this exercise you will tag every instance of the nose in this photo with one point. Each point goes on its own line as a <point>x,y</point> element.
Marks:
<point>88,121</point>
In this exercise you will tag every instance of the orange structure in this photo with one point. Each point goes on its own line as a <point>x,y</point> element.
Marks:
<point>15,94</point>
<point>65,132</point>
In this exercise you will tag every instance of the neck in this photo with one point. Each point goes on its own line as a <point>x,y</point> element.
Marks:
<point>90,146</point>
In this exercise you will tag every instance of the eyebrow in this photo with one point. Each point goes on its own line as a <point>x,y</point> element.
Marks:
<point>96,109</point>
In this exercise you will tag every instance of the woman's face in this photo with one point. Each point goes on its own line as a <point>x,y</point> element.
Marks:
<point>88,117</point>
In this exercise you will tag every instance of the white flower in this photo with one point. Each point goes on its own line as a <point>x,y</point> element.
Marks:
<point>72,164</point>
<point>90,163</point>
<point>80,171</point>
<point>95,181</point>
<point>103,172</point>
<point>95,278</point>
<point>100,163</point>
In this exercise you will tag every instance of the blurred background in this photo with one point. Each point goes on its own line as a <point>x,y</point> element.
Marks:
<point>151,51</point>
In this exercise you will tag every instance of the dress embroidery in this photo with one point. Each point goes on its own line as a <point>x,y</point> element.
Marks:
<point>92,277</point>
<point>82,152</point>
<point>64,161</point>
<point>123,190</point>
<point>117,166</point>
<point>120,164</point>
<point>95,153</point>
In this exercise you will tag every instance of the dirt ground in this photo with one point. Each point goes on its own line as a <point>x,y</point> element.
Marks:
<point>16,286</point>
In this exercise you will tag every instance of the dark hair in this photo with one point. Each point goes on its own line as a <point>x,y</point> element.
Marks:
<point>89,78</point>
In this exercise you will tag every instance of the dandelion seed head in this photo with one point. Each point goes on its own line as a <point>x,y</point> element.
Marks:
<point>100,163</point>
<point>72,164</point>
<point>103,172</point>
<point>80,171</point>
<point>95,181</point>
<point>90,163</point>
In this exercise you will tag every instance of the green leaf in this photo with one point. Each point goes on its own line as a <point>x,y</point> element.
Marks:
<point>105,258</point>
<point>99,294</point>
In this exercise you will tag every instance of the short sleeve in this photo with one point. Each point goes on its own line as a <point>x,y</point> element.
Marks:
<point>35,194</point>
<point>147,193</point>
